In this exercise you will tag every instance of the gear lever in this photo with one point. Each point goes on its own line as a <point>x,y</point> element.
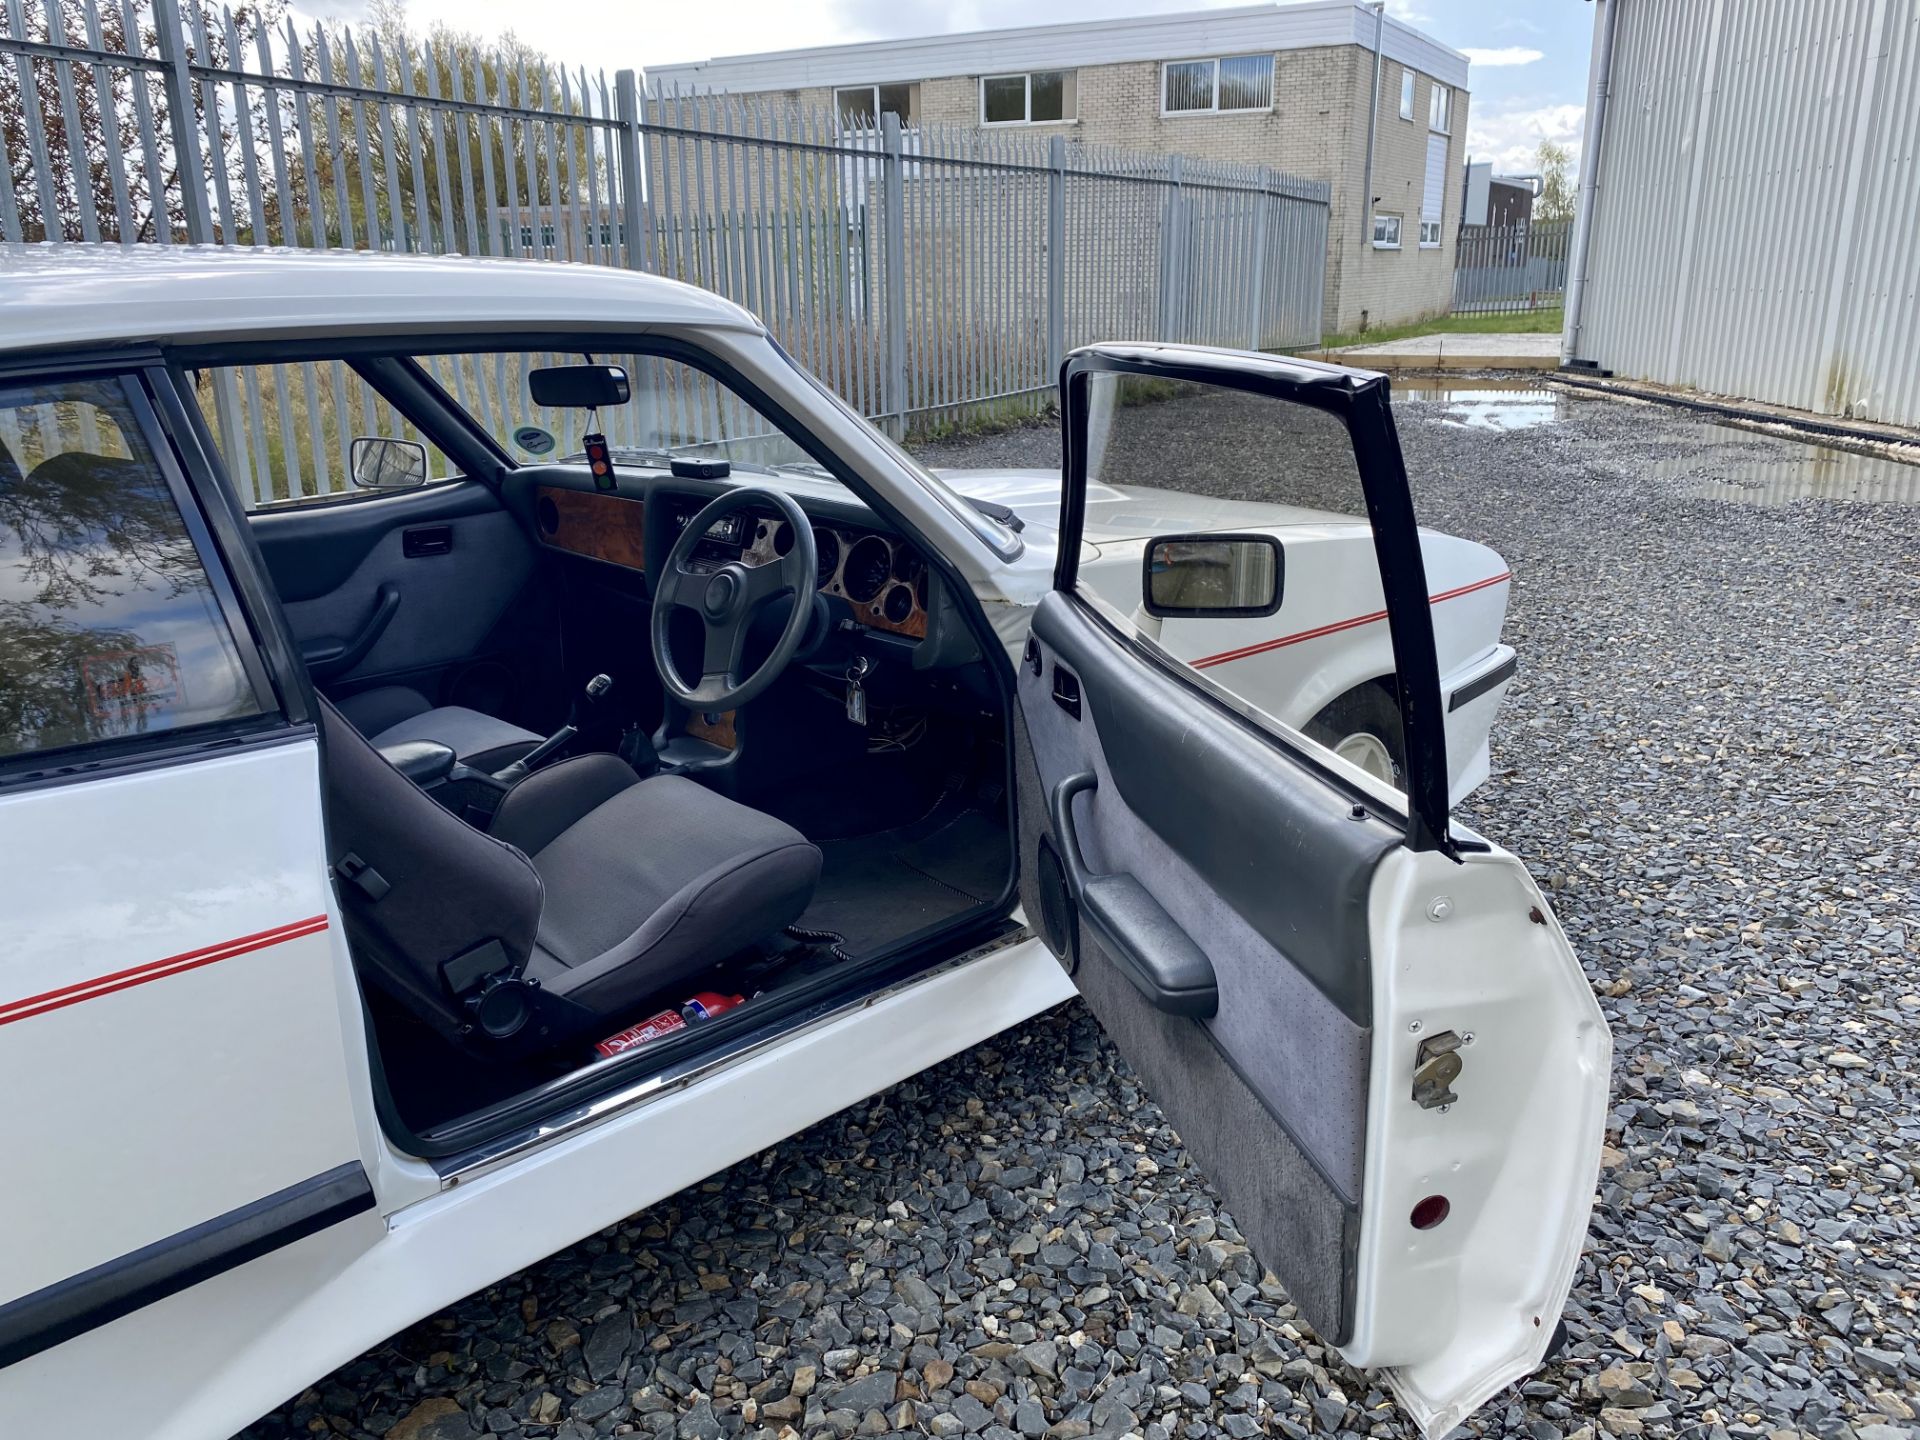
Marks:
<point>598,686</point>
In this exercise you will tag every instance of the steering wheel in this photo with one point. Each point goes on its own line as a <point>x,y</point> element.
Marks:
<point>725,598</point>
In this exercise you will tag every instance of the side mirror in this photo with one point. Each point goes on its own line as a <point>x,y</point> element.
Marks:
<point>578,387</point>
<point>1197,576</point>
<point>383,464</point>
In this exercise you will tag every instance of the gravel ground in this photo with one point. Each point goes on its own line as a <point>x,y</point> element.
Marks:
<point>1711,757</point>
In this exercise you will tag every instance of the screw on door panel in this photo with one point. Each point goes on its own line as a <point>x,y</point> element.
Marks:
<point>1436,1065</point>
<point>1441,907</point>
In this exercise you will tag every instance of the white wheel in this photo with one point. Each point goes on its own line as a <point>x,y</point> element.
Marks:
<point>1370,753</point>
<point>1363,728</point>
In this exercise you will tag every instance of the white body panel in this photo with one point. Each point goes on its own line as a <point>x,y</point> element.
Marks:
<point>1456,947</point>
<point>271,1326</point>
<point>180,1091</point>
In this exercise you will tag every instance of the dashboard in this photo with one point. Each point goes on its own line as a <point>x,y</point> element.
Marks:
<point>882,579</point>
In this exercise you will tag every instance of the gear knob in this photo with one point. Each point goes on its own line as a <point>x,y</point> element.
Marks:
<point>599,686</point>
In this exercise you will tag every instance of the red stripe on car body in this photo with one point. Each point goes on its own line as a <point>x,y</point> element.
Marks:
<point>1261,648</point>
<point>157,970</point>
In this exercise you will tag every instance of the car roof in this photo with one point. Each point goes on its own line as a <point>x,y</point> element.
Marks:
<point>97,295</point>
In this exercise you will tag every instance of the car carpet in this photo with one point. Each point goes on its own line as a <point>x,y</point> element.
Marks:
<point>881,888</point>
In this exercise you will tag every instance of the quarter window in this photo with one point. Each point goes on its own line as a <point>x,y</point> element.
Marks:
<point>1040,97</point>
<point>286,432</point>
<point>110,626</point>
<point>1236,82</point>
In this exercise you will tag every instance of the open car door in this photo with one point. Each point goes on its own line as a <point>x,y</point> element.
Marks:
<point>1364,1022</point>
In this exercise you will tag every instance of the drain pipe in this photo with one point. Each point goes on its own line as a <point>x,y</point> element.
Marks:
<point>1599,83</point>
<point>1373,122</point>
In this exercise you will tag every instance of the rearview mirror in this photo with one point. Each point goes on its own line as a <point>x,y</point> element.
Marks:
<point>1196,576</point>
<point>383,464</point>
<point>578,387</point>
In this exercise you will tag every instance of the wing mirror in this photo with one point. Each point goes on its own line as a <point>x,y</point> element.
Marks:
<point>1197,576</point>
<point>578,387</point>
<point>383,464</point>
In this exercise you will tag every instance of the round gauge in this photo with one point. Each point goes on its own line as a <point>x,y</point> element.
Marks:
<point>920,588</point>
<point>826,548</point>
<point>906,563</point>
<point>782,535</point>
<point>867,565</point>
<point>898,605</point>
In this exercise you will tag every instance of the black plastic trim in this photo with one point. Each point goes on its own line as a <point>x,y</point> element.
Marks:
<point>1492,680</point>
<point>96,1297</point>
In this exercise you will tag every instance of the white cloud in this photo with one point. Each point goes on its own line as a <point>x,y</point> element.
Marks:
<point>1510,137</point>
<point>1508,55</point>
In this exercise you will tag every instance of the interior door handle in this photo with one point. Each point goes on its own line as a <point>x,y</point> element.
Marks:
<point>331,655</point>
<point>1147,944</point>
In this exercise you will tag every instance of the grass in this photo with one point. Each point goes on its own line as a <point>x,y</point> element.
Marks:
<point>1523,322</point>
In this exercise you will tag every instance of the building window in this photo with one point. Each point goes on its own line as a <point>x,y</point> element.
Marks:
<point>1237,82</point>
<point>1386,232</point>
<point>1041,97</point>
<point>1440,109</point>
<point>1406,94</point>
<point>1429,234</point>
<point>861,106</point>
<point>1433,195</point>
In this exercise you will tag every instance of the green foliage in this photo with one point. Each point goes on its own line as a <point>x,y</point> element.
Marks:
<point>1557,184</point>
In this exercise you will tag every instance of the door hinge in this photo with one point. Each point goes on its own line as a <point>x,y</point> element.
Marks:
<point>1436,1065</point>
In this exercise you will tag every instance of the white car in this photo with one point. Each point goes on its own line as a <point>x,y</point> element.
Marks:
<point>403,886</point>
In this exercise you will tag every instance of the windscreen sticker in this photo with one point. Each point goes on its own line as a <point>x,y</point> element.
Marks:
<point>124,685</point>
<point>534,440</point>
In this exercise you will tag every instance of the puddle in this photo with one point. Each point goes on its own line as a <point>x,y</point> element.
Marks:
<point>1502,404</point>
<point>1810,472</point>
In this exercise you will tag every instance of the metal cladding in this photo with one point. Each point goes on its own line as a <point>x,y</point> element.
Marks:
<point>1753,232</point>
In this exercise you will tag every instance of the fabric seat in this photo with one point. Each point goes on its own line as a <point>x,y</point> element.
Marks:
<point>393,714</point>
<point>595,891</point>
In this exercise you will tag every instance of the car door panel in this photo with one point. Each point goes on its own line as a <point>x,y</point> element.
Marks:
<point>1362,1020</point>
<point>416,587</point>
<point>1168,809</point>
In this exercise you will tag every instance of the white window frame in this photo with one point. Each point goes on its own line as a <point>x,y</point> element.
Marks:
<point>1440,109</point>
<point>1407,85</point>
<point>1027,97</point>
<point>1214,108</point>
<point>1435,226</point>
<point>1380,216</point>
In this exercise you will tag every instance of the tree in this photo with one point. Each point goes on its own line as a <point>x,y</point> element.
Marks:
<point>1556,183</point>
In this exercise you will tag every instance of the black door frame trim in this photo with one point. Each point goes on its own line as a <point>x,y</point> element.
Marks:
<point>96,1297</point>
<point>1359,399</point>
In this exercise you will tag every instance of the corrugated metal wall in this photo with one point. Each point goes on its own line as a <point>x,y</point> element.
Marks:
<point>1756,230</point>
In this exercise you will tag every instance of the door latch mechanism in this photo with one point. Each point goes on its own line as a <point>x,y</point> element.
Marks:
<point>1436,1065</point>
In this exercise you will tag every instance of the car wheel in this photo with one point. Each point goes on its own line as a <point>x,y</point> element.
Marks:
<point>1363,727</point>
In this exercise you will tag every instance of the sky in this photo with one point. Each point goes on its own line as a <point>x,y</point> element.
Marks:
<point>1528,82</point>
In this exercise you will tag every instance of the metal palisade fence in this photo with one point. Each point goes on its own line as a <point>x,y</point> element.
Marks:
<point>930,274</point>
<point>1502,269</point>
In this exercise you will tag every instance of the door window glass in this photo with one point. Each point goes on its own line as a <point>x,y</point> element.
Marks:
<point>286,432</point>
<point>1290,619</point>
<point>109,625</point>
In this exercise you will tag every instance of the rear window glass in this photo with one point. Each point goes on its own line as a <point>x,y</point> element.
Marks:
<point>109,625</point>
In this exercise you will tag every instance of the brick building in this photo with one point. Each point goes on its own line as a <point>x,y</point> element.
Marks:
<point>1330,90</point>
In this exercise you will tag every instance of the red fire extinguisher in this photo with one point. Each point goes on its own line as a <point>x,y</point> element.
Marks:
<point>703,1006</point>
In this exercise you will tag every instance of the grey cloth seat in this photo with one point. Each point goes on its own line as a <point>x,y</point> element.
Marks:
<point>605,889</point>
<point>394,714</point>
